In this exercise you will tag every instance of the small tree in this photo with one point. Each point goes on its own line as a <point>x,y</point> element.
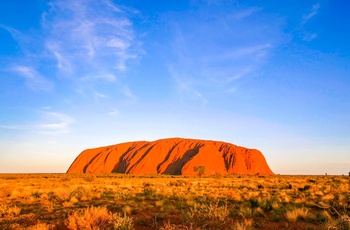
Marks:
<point>200,170</point>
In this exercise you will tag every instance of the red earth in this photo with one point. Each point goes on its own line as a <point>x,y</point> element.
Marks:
<point>174,156</point>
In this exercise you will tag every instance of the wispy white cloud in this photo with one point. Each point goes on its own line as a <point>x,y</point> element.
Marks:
<point>54,123</point>
<point>112,6</point>
<point>118,43</point>
<point>108,77</point>
<point>91,41</point>
<point>63,64</point>
<point>305,35</point>
<point>16,34</point>
<point>309,36</point>
<point>220,50</point>
<point>104,86</point>
<point>246,13</point>
<point>114,112</point>
<point>188,93</point>
<point>89,36</point>
<point>185,89</point>
<point>314,10</point>
<point>50,123</point>
<point>33,79</point>
<point>46,107</point>
<point>231,90</point>
<point>239,74</point>
<point>252,52</point>
<point>77,39</point>
<point>15,127</point>
<point>98,96</point>
<point>256,50</point>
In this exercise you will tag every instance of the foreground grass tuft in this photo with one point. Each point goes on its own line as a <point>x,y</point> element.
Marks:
<point>93,218</point>
<point>297,213</point>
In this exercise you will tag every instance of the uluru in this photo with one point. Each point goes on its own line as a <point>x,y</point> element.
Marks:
<point>173,156</point>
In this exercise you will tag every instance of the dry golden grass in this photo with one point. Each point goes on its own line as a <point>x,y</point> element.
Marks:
<point>7,210</point>
<point>72,201</point>
<point>40,226</point>
<point>92,218</point>
<point>245,224</point>
<point>296,213</point>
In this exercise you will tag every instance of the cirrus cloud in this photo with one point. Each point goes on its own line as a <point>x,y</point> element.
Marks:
<point>88,36</point>
<point>33,79</point>
<point>49,123</point>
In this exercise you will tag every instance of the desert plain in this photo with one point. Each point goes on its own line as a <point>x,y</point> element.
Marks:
<point>123,201</point>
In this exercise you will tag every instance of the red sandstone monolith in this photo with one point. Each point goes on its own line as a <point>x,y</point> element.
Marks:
<point>175,156</point>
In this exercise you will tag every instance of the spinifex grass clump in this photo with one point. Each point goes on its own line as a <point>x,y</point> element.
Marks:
<point>8,210</point>
<point>297,213</point>
<point>98,218</point>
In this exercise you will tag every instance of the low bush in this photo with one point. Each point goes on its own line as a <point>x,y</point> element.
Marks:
<point>96,218</point>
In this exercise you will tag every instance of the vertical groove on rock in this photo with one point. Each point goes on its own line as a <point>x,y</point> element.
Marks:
<point>90,162</point>
<point>167,156</point>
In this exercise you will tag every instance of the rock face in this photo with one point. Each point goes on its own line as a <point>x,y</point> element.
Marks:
<point>176,156</point>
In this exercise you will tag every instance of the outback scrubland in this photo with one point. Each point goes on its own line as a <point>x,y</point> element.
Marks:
<point>115,201</point>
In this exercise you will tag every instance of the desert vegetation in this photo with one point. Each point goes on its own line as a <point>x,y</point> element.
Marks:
<point>118,201</point>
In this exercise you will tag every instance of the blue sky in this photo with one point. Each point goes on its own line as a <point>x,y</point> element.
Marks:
<point>260,74</point>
